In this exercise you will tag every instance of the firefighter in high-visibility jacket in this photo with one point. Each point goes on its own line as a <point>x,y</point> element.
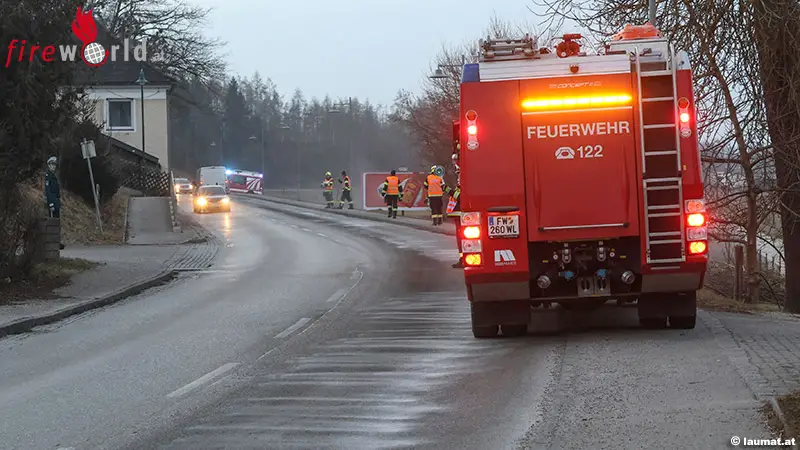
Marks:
<point>347,193</point>
<point>435,186</point>
<point>391,191</point>
<point>327,189</point>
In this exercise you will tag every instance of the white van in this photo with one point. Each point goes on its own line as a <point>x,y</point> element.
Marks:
<point>213,175</point>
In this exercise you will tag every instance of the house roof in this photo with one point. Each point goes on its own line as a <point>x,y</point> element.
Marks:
<point>119,72</point>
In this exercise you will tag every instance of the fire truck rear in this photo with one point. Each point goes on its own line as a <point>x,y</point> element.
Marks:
<point>581,181</point>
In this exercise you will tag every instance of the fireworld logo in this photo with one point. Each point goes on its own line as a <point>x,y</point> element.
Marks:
<point>92,52</point>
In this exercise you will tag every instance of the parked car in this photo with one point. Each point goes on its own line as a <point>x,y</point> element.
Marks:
<point>211,198</point>
<point>183,186</point>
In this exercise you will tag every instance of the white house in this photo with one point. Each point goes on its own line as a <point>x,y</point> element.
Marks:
<point>119,109</point>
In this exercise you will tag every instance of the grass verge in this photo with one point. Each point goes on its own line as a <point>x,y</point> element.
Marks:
<point>710,300</point>
<point>790,407</point>
<point>43,280</point>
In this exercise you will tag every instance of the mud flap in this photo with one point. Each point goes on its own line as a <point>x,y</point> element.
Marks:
<point>508,312</point>
<point>672,304</point>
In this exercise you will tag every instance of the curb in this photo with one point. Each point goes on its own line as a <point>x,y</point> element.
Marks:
<point>27,323</point>
<point>787,431</point>
<point>376,218</point>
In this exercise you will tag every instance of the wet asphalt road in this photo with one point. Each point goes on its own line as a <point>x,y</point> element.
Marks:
<point>318,332</point>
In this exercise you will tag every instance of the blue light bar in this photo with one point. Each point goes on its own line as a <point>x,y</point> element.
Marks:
<point>228,172</point>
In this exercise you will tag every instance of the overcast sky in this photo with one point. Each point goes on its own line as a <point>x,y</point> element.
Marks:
<point>362,48</point>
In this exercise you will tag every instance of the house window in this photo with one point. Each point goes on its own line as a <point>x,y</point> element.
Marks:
<point>120,114</point>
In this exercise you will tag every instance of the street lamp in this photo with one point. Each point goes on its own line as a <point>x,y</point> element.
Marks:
<point>439,73</point>
<point>141,81</point>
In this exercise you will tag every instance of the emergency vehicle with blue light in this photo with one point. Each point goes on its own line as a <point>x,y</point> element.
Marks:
<point>244,181</point>
<point>581,181</point>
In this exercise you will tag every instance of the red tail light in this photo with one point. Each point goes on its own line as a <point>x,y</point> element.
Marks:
<point>472,129</point>
<point>685,117</point>
<point>472,232</point>
<point>696,219</point>
<point>697,231</point>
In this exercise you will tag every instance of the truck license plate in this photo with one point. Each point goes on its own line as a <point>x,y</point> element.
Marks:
<point>503,226</point>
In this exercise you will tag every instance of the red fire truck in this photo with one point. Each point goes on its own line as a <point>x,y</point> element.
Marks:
<point>581,181</point>
<point>244,181</point>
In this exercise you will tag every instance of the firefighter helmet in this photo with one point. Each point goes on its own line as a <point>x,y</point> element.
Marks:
<point>433,169</point>
<point>327,174</point>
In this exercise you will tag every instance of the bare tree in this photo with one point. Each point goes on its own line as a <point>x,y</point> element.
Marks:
<point>428,116</point>
<point>174,33</point>
<point>776,25</point>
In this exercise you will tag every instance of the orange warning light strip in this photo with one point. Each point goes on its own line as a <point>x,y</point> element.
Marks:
<point>593,101</point>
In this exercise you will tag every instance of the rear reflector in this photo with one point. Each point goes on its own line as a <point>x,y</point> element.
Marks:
<point>471,245</point>
<point>693,206</point>
<point>470,218</point>
<point>697,234</point>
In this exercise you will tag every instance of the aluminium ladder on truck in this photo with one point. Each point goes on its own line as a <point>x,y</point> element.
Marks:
<point>656,77</point>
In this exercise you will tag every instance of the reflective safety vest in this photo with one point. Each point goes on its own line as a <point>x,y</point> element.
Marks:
<point>347,186</point>
<point>434,184</point>
<point>392,185</point>
<point>327,185</point>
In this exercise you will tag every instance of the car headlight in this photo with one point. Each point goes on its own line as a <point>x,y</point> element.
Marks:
<point>191,186</point>
<point>201,201</point>
<point>225,200</point>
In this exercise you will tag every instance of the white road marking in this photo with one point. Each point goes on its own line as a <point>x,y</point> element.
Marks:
<point>306,229</point>
<point>320,234</point>
<point>294,226</point>
<point>336,295</point>
<point>202,380</point>
<point>297,325</point>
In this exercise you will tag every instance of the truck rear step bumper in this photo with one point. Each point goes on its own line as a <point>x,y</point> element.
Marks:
<point>492,292</point>
<point>520,290</point>
<point>672,282</point>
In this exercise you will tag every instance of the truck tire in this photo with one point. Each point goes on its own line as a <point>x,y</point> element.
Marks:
<point>652,309</point>
<point>684,311</point>
<point>480,329</point>
<point>653,323</point>
<point>514,330</point>
<point>485,332</point>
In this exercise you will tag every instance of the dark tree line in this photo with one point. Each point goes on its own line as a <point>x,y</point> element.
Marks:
<point>223,123</point>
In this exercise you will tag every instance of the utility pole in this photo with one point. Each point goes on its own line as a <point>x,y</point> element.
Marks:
<point>652,11</point>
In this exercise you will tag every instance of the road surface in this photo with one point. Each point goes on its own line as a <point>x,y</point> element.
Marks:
<point>311,333</point>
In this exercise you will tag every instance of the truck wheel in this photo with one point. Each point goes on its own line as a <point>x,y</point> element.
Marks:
<point>653,323</point>
<point>480,317</point>
<point>683,322</point>
<point>515,330</point>
<point>485,332</point>
<point>683,315</point>
<point>652,310</point>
